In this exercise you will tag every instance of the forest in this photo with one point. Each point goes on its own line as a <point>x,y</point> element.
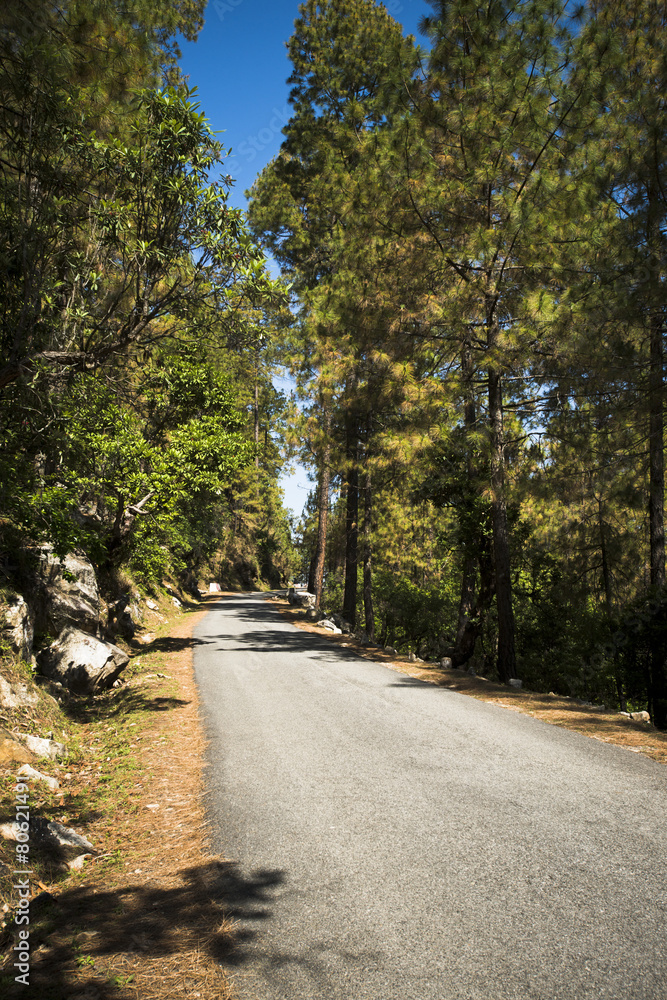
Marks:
<point>470,229</point>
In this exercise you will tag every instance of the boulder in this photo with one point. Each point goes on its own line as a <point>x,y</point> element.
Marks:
<point>515,682</point>
<point>344,626</point>
<point>302,598</point>
<point>68,593</point>
<point>391,650</point>
<point>32,775</point>
<point>330,626</point>
<point>18,626</point>
<point>16,695</point>
<point>41,746</point>
<point>12,750</point>
<point>82,663</point>
<point>58,839</point>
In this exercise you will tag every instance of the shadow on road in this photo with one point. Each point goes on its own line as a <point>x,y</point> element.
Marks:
<point>283,638</point>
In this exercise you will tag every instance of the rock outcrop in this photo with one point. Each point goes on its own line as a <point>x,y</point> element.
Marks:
<point>67,593</point>
<point>18,626</point>
<point>82,663</point>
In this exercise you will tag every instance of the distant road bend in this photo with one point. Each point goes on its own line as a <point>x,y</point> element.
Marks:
<point>393,840</point>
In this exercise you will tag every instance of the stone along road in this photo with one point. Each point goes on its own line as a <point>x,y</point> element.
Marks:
<point>393,840</point>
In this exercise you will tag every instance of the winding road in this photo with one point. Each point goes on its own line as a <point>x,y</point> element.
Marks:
<point>392,840</point>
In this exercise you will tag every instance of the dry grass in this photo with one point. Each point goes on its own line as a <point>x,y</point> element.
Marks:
<point>143,919</point>
<point>607,726</point>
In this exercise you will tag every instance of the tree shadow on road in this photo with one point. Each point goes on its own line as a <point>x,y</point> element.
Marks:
<point>265,638</point>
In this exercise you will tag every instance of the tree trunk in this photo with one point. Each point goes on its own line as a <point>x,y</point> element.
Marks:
<point>311,573</point>
<point>656,456</point>
<point>501,546</point>
<point>606,575</point>
<point>656,517</point>
<point>323,509</point>
<point>256,417</point>
<point>467,628</point>
<point>369,616</point>
<point>656,444</point>
<point>351,538</point>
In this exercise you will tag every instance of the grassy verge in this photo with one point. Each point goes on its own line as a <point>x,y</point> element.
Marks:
<point>140,918</point>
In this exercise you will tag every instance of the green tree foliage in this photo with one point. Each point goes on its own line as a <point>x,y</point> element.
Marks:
<point>128,284</point>
<point>475,235</point>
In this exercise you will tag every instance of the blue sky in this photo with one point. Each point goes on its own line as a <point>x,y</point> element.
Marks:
<point>239,66</point>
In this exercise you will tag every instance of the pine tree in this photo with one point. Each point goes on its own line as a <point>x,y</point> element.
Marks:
<point>621,59</point>
<point>484,147</point>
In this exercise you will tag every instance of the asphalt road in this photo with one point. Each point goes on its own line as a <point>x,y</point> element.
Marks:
<point>392,840</point>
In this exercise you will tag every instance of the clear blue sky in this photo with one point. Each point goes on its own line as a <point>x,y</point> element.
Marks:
<point>239,66</point>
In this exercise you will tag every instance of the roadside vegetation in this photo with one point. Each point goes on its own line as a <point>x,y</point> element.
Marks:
<point>142,915</point>
<point>471,230</point>
<point>474,225</point>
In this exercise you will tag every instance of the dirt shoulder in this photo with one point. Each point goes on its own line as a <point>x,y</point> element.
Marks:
<point>143,919</point>
<point>607,726</point>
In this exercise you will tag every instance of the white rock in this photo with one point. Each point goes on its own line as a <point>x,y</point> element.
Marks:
<point>175,601</point>
<point>48,749</point>
<point>18,626</point>
<point>76,864</point>
<point>70,595</point>
<point>151,604</point>
<point>515,682</point>
<point>15,695</point>
<point>330,626</point>
<point>82,663</point>
<point>29,772</point>
<point>61,839</point>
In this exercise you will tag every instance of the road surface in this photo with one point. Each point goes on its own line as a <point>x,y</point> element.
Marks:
<point>392,840</point>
